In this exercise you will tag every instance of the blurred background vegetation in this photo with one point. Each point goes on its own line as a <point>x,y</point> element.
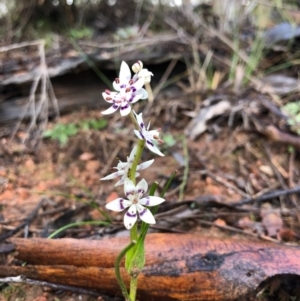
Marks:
<point>32,19</point>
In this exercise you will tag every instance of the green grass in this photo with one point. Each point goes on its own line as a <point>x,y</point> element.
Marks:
<point>62,132</point>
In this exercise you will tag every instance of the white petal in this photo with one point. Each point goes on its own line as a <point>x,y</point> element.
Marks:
<point>130,217</point>
<point>129,187</point>
<point>117,86</point>
<point>132,154</point>
<point>139,120</point>
<point>125,73</point>
<point>109,96</point>
<point>125,109</point>
<point>151,201</point>
<point>144,73</point>
<point>113,175</point>
<point>122,165</point>
<point>143,92</point>
<point>110,110</point>
<point>142,187</point>
<point>144,165</point>
<point>132,98</point>
<point>121,181</point>
<point>145,214</point>
<point>138,84</point>
<point>153,148</point>
<point>118,204</point>
<point>153,133</point>
<point>135,78</point>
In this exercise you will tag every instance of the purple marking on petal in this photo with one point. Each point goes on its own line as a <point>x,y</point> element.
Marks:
<point>115,106</point>
<point>129,193</point>
<point>125,107</point>
<point>131,98</point>
<point>149,142</point>
<point>141,190</point>
<point>121,204</point>
<point>122,86</point>
<point>142,125</point>
<point>143,212</point>
<point>133,89</point>
<point>147,201</point>
<point>130,215</point>
<point>142,135</point>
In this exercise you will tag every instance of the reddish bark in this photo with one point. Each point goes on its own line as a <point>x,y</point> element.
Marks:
<point>178,267</point>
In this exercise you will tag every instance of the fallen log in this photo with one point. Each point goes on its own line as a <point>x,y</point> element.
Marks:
<point>178,267</point>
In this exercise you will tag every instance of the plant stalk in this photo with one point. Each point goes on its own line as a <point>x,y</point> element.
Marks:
<point>118,273</point>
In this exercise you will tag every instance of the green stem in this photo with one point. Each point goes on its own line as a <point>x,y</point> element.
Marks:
<point>134,232</point>
<point>136,160</point>
<point>133,288</point>
<point>134,121</point>
<point>138,155</point>
<point>118,273</point>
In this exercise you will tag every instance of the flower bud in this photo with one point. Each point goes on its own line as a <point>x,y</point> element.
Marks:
<point>138,66</point>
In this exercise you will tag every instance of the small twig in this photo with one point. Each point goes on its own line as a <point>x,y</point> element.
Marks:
<point>266,190</point>
<point>23,279</point>
<point>275,166</point>
<point>186,168</point>
<point>268,196</point>
<point>20,45</point>
<point>39,109</point>
<point>164,77</point>
<point>221,180</point>
<point>236,230</point>
<point>110,160</point>
<point>26,222</point>
<point>291,175</point>
<point>54,211</point>
<point>225,183</point>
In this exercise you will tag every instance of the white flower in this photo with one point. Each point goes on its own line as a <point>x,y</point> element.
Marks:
<point>146,75</point>
<point>148,136</point>
<point>141,73</point>
<point>124,167</point>
<point>135,203</point>
<point>129,92</point>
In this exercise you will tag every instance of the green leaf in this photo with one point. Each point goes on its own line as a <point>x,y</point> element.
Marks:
<point>79,33</point>
<point>85,125</point>
<point>98,124</point>
<point>71,129</point>
<point>48,133</point>
<point>61,132</point>
<point>63,139</point>
<point>297,118</point>
<point>169,140</point>
<point>137,261</point>
<point>292,108</point>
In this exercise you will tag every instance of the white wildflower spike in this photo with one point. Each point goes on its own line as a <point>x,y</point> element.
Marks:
<point>124,167</point>
<point>129,92</point>
<point>136,203</point>
<point>149,136</point>
<point>137,67</point>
